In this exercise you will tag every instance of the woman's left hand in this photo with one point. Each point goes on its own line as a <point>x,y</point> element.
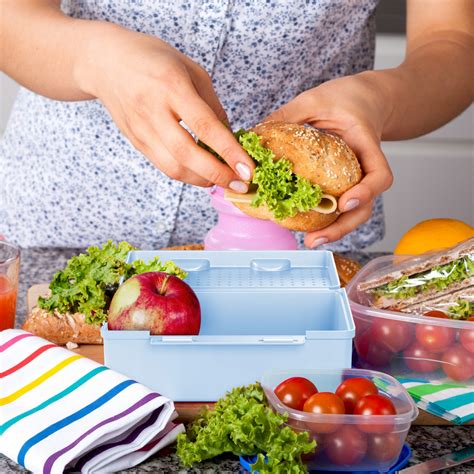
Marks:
<point>352,107</point>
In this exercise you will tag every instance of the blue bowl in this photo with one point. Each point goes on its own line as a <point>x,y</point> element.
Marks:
<point>405,455</point>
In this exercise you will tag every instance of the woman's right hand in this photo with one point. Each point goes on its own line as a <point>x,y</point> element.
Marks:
<point>148,87</point>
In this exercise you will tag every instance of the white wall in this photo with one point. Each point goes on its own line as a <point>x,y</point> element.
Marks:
<point>434,175</point>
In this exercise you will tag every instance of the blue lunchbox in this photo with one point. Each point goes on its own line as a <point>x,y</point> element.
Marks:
<point>260,311</point>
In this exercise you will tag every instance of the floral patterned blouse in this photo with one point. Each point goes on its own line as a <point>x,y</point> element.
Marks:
<point>70,179</point>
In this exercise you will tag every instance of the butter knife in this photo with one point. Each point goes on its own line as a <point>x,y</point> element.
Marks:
<point>443,462</point>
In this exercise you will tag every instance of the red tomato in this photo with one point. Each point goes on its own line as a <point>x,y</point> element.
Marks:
<point>435,338</point>
<point>419,359</point>
<point>352,390</point>
<point>436,314</point>
<point>346,447</point>
<point>384,447</point>
<point>391,335</point>
<point>362,323</point>
<point>466,338</point>
<point>324,403</point>
<point>375,405</point>
<point>371,352</point>
<point>294,392</point>
<point>458,363</point>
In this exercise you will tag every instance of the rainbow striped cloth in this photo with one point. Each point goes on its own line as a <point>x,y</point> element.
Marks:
<point>451,401</point>
<point>59,410</point>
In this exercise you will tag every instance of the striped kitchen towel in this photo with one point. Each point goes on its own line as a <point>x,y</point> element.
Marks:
<point>61,411</point>
<point>451,401</point>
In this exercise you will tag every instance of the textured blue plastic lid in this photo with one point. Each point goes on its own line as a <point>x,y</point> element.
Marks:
<point>405,455</point>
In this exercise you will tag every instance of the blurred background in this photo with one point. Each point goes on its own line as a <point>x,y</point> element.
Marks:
<point>434,174</point>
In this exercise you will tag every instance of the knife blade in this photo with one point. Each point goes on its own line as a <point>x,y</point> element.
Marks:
<point>443,462</point>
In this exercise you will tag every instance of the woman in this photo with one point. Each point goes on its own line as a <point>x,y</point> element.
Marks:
<point>94,148</point>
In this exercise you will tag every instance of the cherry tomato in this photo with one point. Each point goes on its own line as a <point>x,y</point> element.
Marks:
<point>384,447</point>
<point>324,403</point>
<point>435,338</point>
<point>458,363</point>
<point>294,392</point>
<point>419,359</point>
<point>346,447</point>
<point>352,390</point>
<point>393,336</point>
<point>375,405</point>
<point>436,314</point>
<point>362,323</point>
<point>371,352</point>
<point>466,338</point>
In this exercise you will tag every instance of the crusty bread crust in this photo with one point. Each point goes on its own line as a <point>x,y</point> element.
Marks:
<point>320,157</point>
<point>346,268</point>
<point>302,221</point>
<point>418,264</point>
<point>62,328</point>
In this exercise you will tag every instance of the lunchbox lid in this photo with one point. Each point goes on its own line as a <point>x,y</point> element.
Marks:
<point>248,269</point>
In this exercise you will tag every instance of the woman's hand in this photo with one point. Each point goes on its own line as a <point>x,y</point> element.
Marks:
<point>148,88</point>
<point>353,108</point>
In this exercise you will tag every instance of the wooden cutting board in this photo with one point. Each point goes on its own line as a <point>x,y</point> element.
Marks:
<point>187,411</point>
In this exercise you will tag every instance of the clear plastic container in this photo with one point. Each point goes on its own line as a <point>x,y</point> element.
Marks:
<point>405,345</point>
<point>349,442</point>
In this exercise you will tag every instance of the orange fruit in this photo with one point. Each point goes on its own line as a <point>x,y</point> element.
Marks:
<point>433,234</point>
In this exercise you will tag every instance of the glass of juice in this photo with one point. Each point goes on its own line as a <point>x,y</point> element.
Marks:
<point>9,275</point>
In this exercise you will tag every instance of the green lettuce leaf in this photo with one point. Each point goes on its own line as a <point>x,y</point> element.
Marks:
<point>87,283</point>
<point>242,423</point>
<point>278,187</point>
<point>461,310</point>
<point>437,278</point>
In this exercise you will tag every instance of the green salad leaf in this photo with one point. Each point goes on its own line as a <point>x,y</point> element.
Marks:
<point>462,309</point>
<point>242,423</point>
<point>438,278</point>
<point>278,187</point>
<point>90,279</point>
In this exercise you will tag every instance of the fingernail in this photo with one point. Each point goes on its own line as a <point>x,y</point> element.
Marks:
<point>318,242</point>
<point>351,204</point>
<point>243,170</point>
<point>238,186</point>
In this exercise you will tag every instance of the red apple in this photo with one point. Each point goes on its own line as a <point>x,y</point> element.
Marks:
<point>158,302</point>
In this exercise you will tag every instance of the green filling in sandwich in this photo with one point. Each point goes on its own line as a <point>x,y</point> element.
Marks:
<point>284,193</point>
<point>438,278</point>
<point>461,310</point>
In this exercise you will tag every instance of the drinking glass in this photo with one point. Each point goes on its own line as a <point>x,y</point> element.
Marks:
<point>9,276</point>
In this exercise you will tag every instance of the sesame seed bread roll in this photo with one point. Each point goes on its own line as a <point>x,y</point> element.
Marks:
<point>322,158</point>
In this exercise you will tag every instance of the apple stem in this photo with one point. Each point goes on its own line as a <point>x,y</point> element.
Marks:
<point>163,285</point>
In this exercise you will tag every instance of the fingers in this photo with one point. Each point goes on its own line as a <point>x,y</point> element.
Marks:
<point>145,140</point>
<point>184,151</point>
<point>295,111</point>
<point>200,118</point>
<point>378,176</point>
<point>204,87</point>
<point>345,223</point>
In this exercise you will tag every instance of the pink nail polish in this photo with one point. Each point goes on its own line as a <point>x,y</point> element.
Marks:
<point>318,242</point>
<point>351,204</point>
<point>238,186</point>
<point>243,170</point>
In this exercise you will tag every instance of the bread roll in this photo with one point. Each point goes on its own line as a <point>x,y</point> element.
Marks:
<point>322,158</point>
